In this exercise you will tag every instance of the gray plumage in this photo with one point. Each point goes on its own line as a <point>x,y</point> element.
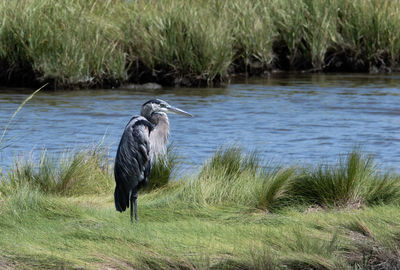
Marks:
<point>144,138</point>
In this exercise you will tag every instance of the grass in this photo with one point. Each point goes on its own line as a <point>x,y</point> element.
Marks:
<point>235,214</point>
<point>99,43</point>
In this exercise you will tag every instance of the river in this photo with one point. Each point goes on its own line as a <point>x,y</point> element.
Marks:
<point>289,119</point>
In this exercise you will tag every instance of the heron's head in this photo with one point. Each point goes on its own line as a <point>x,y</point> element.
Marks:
<point>160,106</point>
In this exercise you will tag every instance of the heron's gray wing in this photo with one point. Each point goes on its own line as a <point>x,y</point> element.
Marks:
<point>132,161</point>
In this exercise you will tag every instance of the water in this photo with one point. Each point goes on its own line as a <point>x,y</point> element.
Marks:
<point>290,119</point>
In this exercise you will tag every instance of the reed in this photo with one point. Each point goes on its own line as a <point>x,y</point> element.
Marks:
<point>184,39</point>
<point>254,33</point>
<point>369,33</point>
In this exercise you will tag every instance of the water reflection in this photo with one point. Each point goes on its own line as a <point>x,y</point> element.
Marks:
<point>289,118</point>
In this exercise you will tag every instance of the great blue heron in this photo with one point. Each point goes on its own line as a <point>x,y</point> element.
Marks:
<point>144,138</point>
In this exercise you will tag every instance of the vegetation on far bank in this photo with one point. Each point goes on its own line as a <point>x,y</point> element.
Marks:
<point>101,43</point>
<point>236,213</point>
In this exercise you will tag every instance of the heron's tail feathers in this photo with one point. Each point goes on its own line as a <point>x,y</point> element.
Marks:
<point>121,199</point>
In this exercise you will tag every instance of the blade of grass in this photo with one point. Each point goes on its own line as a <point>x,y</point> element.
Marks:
<point>16,112</point>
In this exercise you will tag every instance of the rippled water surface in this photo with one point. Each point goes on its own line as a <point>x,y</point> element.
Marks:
<point>290,119</point>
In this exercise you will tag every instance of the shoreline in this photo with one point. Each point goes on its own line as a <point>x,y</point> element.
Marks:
<point>154,83</point>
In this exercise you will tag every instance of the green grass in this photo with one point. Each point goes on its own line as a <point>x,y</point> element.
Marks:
<point>43,231</point>
<point>95,43</point>
<point>235,214</point>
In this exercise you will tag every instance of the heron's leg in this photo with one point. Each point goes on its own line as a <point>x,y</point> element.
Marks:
<point>135,201</point>
<point>134,204</point>
<point>132,209</point>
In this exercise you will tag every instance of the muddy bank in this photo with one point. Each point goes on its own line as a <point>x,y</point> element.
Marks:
<point>142,78</point>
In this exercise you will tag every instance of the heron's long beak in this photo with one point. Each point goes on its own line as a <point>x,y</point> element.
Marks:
<point>178,111</point>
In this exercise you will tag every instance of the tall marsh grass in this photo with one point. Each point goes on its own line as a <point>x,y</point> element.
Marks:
<point>254,33</point>
<point>97,42</point>
<point>182,39</point>
<point>369,32</point>
<point>69,42</point>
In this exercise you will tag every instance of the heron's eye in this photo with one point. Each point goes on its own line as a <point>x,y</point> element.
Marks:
<point>162,105</point>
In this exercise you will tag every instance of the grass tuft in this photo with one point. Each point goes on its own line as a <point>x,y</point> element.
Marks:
<point>230,177</point>
<point>231,162</point>
<point>383,190</point>
<point>275,187</point>
<point>72,174</point>
<point>344,184</point>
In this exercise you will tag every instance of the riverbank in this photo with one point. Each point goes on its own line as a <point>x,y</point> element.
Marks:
<point>109,43</point>
<point>235,214</point>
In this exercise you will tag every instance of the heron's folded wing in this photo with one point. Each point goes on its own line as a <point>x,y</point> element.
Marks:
<point>132,159</point>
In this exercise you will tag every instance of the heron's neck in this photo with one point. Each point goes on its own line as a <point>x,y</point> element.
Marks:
<point>159,135</point>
